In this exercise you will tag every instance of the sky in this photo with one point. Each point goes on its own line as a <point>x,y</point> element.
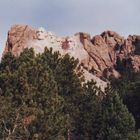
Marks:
<point>66,17</point>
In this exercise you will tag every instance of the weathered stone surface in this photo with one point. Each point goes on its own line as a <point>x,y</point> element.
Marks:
<point>18,37</point>
<point>98,55</point>
<point>135,63</point>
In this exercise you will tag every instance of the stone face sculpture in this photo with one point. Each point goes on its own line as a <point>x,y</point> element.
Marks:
<point>51,36</point>
<point>71,42</point>
<point>41,33</point>
<point>59,41</point>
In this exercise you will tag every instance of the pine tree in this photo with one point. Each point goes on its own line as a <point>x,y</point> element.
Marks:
<point>117,122</point>
<point>32,101</point>
<point>68,81</point>
<point>41,97</point>
<point>90,105</point>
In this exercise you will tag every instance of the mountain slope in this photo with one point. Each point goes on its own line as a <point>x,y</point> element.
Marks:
<point>99,55</point>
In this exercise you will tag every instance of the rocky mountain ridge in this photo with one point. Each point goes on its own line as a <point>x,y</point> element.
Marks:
<point>99,55</point>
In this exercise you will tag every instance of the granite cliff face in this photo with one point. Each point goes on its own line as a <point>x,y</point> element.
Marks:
<point>98,55</point>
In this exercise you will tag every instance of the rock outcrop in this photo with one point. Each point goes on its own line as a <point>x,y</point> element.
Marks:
<point>98,55</point>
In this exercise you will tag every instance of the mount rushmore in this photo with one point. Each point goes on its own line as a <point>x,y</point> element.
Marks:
<point>98,55</point>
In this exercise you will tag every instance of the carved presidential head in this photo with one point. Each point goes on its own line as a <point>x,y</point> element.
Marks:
<point>41,33</point>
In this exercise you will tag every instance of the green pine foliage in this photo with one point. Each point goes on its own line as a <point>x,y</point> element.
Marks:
<point>42,97</point>
<point>117,122</point>
<point>131,97</point>
<point>32,91</point>
<point>90,105</point>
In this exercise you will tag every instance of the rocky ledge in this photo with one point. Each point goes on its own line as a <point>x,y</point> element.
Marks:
<point>99,55</point>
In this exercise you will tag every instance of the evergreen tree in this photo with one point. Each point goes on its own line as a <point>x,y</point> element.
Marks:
<point>131,97</point>
<point>41,97</point>
<point>68,81</point>
<point>90,105</point>
<point>117,122</point>
<point>129,92</point>
<point>33,99</point>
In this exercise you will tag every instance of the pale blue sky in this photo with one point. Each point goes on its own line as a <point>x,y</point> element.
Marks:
<point>66,17</point>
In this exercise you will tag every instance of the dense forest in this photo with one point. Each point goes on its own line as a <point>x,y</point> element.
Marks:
<point>45,97</point>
